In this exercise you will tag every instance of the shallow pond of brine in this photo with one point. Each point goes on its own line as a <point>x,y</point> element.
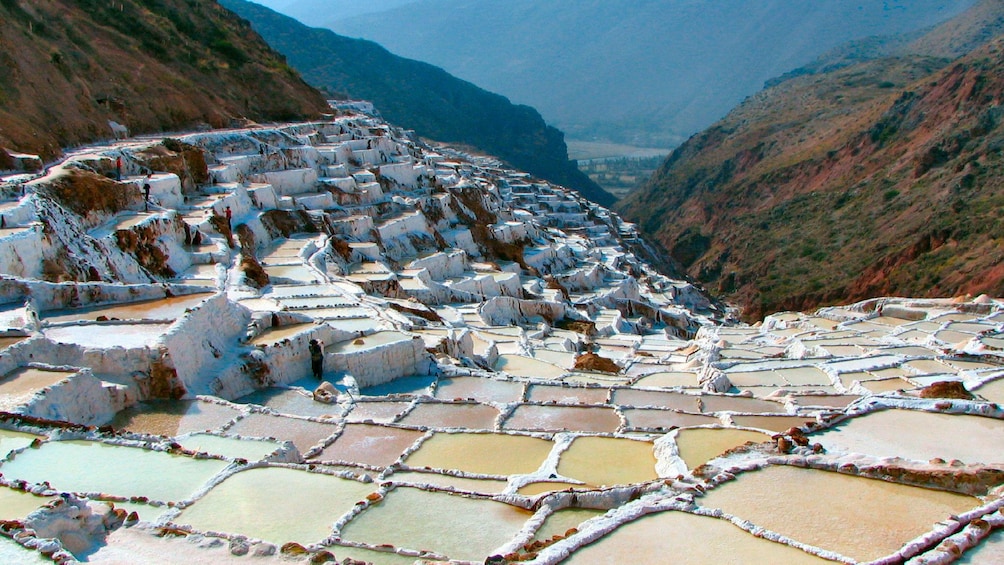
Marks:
<point>625,461</point>
<point>921,436</point>
<point>488,454</point>
<point>699,445</point>
<point>687,539</point>
<point>863,519</point>
<point>276,504</point>
<point>112,469</point>
<point>455,526</point>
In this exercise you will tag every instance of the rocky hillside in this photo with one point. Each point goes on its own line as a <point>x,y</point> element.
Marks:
<point>951,39</point>
<point>67,67</point>
<point>879,178</point>
<point>422,97</point>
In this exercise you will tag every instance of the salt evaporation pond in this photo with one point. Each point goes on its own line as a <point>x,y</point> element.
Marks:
<point>687,539</point>
<point>368,342</point>
<point>17,386</point>
<point>520,366</point>
<point>452,415</point>
<point>990,551</point>
<point>992,391</point>
<point>112,469</point>
<point>462,484</point>
<point>106,336</point>
<point>273,336</point>
<point>161,309</point>
<point>656,419</point>
<point>913,434</point>
<point>699,445</point>
<point>231,448</point>
<point>382,412</point>
<point>414,385</point>
<point>860,518</point>
<point>366,444</point>
<point>276,504</point>
<point>452,525</point>
<point>563,418</point>
<point>292,401</point>
<point>480,389</point>
<point>558,523</point>
<point>435,454</point>
<point>668,380</point>
<point>11,440</point>
<point>486,454</point>
<point>303,433</point>
<point>16,504</point>
<point>172,418</point>
<point>567,394</point>
<point>12,552</point>
<point>625,461</point>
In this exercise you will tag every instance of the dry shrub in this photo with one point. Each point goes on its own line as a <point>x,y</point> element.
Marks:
<point>946,389</point>
<point>253,270</point>
<point>285,223</point>
<point>141,243</point>
<point>584,327</point>
<point>594,362</point>
<point>418,310</point>
<point>222,226</point>
<point>183,159</point>
<point>247,238</point>
<point>341,247</point>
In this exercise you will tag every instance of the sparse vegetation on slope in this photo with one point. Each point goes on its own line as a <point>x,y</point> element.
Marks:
<point>66,68</point>
<point>880,178</point>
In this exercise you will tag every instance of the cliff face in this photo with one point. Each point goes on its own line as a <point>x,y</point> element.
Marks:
<point>422,97</point>
<point>67,67</point>
<point>876,179</point>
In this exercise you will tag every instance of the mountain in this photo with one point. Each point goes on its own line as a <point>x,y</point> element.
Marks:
<point>877,178</point>
<point>951,39</point>
<point>424,98</point>
<point>67,67</point>
<point>305,10</point>
<point>641,72</point>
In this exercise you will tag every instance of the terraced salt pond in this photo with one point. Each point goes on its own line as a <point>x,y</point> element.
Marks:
<point>170,308</point>
<point>863,519</point>
<point>913,434</point>
<point>465,528</point>
<point>276,504</point>
<point>107,336</point>
<point>690,539</point>
<point>484,454</point>
<point>626,461</point>
<point>699,445</point>
<point>112,469</point>
<point>174,418</point>
<point>16,504</point>
<point>19,385</point>
<point>520,366</point>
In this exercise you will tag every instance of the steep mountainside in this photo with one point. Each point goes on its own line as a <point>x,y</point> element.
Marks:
<point>67,67</point>
<point>424,98</point>
<point>951,39</point>
<point>879,178</point>
<point>642,72</point>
